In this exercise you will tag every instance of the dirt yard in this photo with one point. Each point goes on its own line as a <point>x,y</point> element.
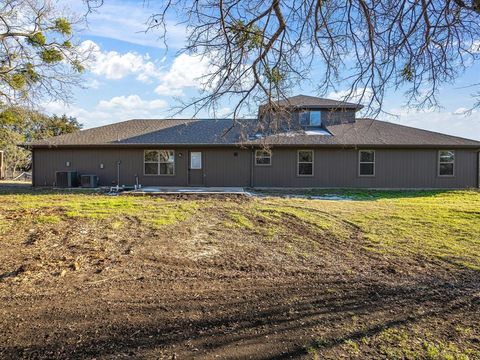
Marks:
<point>387,275</point>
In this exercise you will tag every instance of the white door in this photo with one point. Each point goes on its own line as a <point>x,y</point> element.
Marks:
<point>195,172</point>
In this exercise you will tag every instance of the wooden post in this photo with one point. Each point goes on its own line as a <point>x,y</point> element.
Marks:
<point>2,170</point>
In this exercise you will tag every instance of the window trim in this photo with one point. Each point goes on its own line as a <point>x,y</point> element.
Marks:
<point>310,117</point>
<point>448,162</point>
<point>257,157</point>
<point>159,162</point>
<point>304,162</point>
<point>360,162</point>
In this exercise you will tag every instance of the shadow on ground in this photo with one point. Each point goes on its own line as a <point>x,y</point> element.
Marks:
<point>236,318</point>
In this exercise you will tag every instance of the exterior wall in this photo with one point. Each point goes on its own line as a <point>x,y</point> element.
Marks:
<point>394,168</point>
<point>87,161</point>
<point>336,117</point>
<point>221,167</point>
<point>330,117</point>
<point>227,167</point>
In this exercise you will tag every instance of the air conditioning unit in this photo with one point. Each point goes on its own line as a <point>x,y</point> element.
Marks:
<point>89,181</point>
<point>66,179</point>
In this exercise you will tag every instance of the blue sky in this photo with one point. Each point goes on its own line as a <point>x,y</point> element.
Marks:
<point>132,75</point>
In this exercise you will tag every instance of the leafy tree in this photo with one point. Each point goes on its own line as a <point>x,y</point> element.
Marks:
<point>19,125</point>
<point>38,56</point>
<point>53,126</point>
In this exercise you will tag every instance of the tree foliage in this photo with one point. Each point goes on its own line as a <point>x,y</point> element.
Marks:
<point>19,125</point>
<point>38,56</point>
<point>258,50</point>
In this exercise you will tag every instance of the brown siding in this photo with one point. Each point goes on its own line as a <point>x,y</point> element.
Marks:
<point>394,168</point>
<point>87,161</point>
<point>402,168</point>
<point>329,117</point>
<point>336,117</point>
<point>221,167</point>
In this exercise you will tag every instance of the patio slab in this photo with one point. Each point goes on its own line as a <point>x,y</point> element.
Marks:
<point>188,190</point>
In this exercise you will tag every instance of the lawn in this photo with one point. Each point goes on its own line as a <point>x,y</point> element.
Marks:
<point>392,275</point>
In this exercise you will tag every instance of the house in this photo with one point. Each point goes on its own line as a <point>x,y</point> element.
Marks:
<point>324,145</point>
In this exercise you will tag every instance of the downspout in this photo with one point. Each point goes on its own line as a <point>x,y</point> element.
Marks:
<point>33,167</point>
<point>1,165</point>
<point>478,169</point>
<point>118,173</point>
<point>252,175</point>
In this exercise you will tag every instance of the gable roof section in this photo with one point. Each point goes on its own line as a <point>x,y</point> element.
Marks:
<point>364,132</point>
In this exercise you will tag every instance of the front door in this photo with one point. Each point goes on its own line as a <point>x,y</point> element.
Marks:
<point>195,169</point>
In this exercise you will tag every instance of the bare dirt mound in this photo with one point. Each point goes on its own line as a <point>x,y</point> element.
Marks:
<point>241,280</point>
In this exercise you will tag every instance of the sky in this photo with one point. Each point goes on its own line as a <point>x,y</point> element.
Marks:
<point>133,75</point>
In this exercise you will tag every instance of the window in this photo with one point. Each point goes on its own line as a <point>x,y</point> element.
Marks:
<point>446,162</point>
<point>311,118</point>
<point>305,163</point>
<point>366,162</point>
<point>159,162</point>
<point>195,160</point>
<point>263,157</point>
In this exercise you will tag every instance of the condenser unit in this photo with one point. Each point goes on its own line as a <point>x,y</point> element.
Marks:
<point>66,179</point>
<point>89,181</point>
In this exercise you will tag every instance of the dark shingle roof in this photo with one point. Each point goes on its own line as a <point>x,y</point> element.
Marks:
<point>305,101</point>
<point>153,131</point>
<point>219,132</point>
<point>376,133</point>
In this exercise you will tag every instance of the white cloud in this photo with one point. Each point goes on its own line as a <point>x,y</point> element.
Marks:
<point>224,111</point>
<point>357,95</point>
<point>118,108</point>
<point>185,72</point>
<point>114,66</point>
<point>460,111</point>
<point>475,48</point>
<point>87,118</point>
<point>131,103</point>
<point>127,21</point>
<point>93,84</point>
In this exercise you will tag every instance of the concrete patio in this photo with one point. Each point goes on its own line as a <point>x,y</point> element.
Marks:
<point>188,190</point>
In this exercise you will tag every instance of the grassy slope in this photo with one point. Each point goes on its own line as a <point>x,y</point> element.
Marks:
<point>442,228</point>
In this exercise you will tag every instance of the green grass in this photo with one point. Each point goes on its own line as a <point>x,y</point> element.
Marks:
<point>48,219</point>
<point>438,225</point>
<point>157,212</point>
<point>398,343</point>
<point>240,221</point>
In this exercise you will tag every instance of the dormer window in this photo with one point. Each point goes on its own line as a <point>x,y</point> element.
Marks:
<point>311,118</point>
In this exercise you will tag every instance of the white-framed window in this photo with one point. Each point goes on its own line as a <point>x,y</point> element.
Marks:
<point>263,157</point>
<point>446,163</point>
<point>159,162</point>
<point>366,162</point>
<point>310,118</point>
<point>305,162</point>
<point>195,160</point>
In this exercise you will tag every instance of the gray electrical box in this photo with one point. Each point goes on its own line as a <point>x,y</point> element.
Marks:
<point>89,181</point>
<point>66,179</point>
